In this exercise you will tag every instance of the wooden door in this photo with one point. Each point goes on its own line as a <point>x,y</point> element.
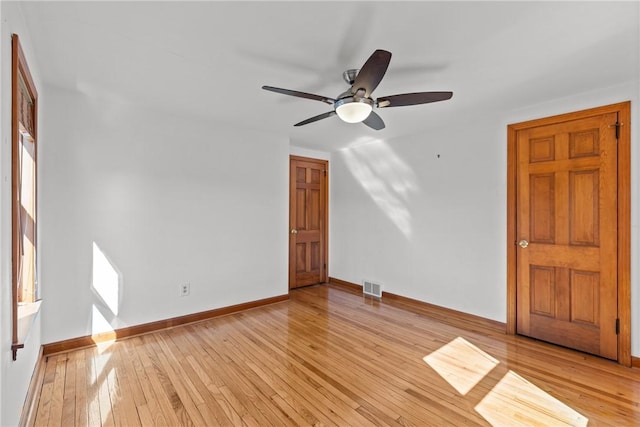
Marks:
<point>567,253</point>
<point>307,222</point>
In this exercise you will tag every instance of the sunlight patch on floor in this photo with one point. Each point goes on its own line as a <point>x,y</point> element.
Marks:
<point>515,401</point>
<point>461,364</point>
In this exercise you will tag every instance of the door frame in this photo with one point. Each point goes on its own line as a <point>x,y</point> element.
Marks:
<point>325,233</point>
<point>624,216</point>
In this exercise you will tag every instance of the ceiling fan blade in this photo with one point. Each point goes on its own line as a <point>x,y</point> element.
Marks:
<point>316,118</point>
<point>412,99</point>
<point>372,72</point>
<point>324,99</point>
<point>374,121</point>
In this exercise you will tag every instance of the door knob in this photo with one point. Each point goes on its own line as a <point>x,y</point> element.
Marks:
<point>523,243</point>
<point>294,231</point>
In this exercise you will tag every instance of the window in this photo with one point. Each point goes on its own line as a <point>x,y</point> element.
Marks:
<point>24,118</point>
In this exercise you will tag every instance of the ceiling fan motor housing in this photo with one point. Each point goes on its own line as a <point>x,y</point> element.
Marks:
<point>349,76</point>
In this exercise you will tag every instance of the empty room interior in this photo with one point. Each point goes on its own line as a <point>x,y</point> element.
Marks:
<point>319,213</point>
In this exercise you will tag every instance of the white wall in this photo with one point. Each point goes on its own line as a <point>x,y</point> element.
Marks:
<point>434,228</point>
<point>134,203</point>
<point>14,376</point>
<point>423,226</point>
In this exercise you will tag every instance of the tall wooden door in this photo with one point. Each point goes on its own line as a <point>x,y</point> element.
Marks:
<point>567,241</point>
<point>307,222</point>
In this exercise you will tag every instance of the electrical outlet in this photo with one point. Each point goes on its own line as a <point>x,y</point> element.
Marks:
<point>185,288</point>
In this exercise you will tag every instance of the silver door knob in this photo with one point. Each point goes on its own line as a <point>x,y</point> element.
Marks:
<point>523,243</point>
<point>294,231</point>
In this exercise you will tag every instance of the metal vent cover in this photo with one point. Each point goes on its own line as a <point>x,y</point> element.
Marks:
<point>372,289</point>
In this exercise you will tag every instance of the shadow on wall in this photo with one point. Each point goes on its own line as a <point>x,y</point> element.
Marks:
<point>386,178</point>
<point>106,284</point>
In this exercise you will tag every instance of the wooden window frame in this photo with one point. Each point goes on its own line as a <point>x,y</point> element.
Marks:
<point>20,72</point>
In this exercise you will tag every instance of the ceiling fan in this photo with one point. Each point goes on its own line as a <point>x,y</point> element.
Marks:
<point>356,105</point>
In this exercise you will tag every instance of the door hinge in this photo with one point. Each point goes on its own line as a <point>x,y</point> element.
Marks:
<point>325,173</point>
<point>617,125</point>
<point>617,326</point>
<point>325,266</point>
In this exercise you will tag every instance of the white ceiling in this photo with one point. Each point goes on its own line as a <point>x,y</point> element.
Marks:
<point>210,59</point>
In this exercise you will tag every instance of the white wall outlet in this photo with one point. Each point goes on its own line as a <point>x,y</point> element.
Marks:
<point>185,288</point>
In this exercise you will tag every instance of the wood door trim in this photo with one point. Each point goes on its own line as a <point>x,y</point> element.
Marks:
<point>624,233</point>
<point>325,232</point>
<point>624,216</point>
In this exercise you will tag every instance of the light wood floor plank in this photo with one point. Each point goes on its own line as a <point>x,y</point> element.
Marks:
<point>241,387</point>
<point>81,416</point>
<point>160,403</point>
<point>102,372</point>
<point>125,392</point>
<point>46,391</point>
<point>93,398</point>
<point>296,365</point>
<point>186,410</point>
<point>70,396</point>
<point>57,396</point>
<point>232,407</point>
<point>364,368</point>
<point>329,356</point>
<point>267,366</point>
<point>197,378</point>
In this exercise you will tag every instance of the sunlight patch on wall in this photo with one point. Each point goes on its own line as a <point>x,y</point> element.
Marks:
<point>515,401</point>
<point>105,279</point>
<point>386,178</point>
<point>461,364</point>
<point>106,282</point>
<point>99,325</point>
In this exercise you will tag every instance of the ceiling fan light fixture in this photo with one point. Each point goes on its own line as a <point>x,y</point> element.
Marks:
<point>353,110</point>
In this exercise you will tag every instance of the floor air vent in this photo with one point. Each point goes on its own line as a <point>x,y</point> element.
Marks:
<point>372,289</point>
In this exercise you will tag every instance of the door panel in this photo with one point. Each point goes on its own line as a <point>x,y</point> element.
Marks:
<point>585,297</point>
<point>584,208</point>
<point>543,295</point>
<point>542,208</point>
<point>566,198</point>
<point>308,222</point>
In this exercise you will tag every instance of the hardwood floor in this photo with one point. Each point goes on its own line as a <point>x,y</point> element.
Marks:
<point>328,356</point>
